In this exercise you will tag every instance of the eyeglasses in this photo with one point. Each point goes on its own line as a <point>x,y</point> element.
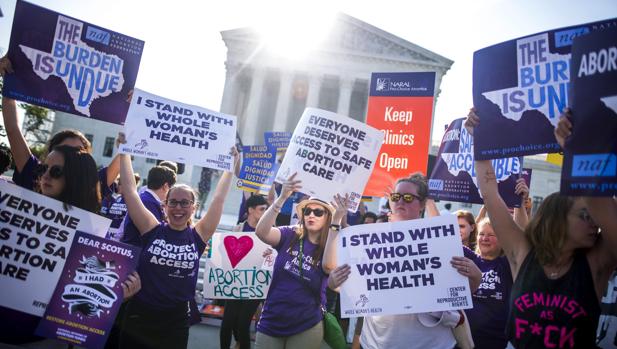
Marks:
<point>183,203</point>
<point>407,197</point>
<point>55,171</point>
<point>583,214</point>
<point>318,212</point>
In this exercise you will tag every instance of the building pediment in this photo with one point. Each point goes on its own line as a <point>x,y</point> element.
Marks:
<point>351,36</point>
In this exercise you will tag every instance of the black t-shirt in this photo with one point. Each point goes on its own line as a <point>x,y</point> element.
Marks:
<point>560,313</point>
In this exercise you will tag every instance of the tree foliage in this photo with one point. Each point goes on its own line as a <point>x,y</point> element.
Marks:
<point>35,119</point>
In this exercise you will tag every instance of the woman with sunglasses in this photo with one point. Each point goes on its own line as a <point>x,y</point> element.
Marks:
<point>69,175</point>
<point>292,313</point>
<point>159,315</point>
<point>559,261</point>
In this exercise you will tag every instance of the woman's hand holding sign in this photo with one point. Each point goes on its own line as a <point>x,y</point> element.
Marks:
<point>468,268</point>
<point>564,127</point>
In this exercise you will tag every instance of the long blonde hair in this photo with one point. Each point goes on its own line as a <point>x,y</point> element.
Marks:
<point>547,230</point>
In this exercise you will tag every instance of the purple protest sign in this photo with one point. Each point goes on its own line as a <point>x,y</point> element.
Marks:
<point>87,297</point>
<point>453,177</point>
<point>590,155</point>
<point>69,65</point>
<point>520,88</point>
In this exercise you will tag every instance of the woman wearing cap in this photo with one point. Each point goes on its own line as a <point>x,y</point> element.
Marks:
<point>292,315</point>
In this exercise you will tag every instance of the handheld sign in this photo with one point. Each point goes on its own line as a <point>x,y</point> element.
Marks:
<point>520,88</point>
<point>401,106</point>
<point>160,128</point>
<point>277,140</point>
<point>590,155</point>
<point>70,65</point>
<point>258,169</point>
<point>234,268</point>
<point>331,154</point>
<point>88,296</point>
<point>35,237</point>
<point>402,268</point>
<point>454,176</point>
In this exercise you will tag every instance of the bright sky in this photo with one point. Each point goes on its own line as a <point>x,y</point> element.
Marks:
<point>184,54</point>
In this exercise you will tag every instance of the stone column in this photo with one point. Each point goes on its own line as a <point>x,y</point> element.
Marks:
<point>344,97</point>
<point>252,110</point>
<point>230,93</point>
<point>283,102</point>
<point>312,97</point>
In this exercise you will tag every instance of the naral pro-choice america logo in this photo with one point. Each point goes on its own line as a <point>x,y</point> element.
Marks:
<point>92,290</point>
<point>397,85</point>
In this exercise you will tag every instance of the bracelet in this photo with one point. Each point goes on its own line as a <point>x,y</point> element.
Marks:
<point>277,209</point>
<point>335,227</point>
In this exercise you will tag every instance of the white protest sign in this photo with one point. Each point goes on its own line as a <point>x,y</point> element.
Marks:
<point>160,128</point>
<point>332,154</point>
<point>234,269</point>
<point>35,237</point>
<point>294,219</point>
<point>402,268</point>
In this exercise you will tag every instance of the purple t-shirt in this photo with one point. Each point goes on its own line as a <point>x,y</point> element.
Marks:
<point>168,266</point>
<point>489,314</point>
<point>127,232</point>
<point>290,306</point>
<point>114,209</point>
<point>27,177</point>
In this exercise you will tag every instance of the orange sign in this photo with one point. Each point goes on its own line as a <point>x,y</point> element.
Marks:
<point>401,105</point>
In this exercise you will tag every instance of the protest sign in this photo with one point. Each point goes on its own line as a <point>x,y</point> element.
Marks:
<point>520,88</point>
<point>69,65</point>
<point>590,155</point>
<point>402,268</point>
<point>87,298</point>
<point>400,105</point>
<point>234,267</point>
<point>331,154</point>
<point>160,128</point>
<point>277,140</point>
<point>555,159</point>
<point>454,175</point>
<point>259,168</point>
<point>35,236</point>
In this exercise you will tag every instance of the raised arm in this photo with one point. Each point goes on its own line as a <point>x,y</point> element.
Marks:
<point>143,219</point>
<point>520,213</point>
<point>206,226</point>
<point>603,211</point>
<point>340,204</point>
<point>431,208</point>
<point>510,235</point>
<point>114,166</point>
<point>265,230</point>
<point>17,142</point>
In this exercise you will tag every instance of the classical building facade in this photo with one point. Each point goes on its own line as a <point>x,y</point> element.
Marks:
<point>269,92</point>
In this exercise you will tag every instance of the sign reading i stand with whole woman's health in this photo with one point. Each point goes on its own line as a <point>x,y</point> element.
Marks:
<point>66,64</point>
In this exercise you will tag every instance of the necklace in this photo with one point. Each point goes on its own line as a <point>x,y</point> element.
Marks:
<point>555,274</point>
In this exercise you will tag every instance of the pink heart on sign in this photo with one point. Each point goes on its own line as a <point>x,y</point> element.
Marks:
<point>237,248</point>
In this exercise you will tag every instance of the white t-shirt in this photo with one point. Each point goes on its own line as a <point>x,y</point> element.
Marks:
<point>607,326</point>
<point>409,331</point>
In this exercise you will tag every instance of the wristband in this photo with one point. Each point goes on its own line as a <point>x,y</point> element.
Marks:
<point>335,227</point>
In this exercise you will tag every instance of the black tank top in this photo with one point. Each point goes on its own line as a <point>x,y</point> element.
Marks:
<point>561,313</point>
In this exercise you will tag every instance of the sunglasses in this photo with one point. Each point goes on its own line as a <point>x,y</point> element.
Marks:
<point>183,203</point>
<point>407,197</point>
<point>55,171</point>
<point>318,212</point>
